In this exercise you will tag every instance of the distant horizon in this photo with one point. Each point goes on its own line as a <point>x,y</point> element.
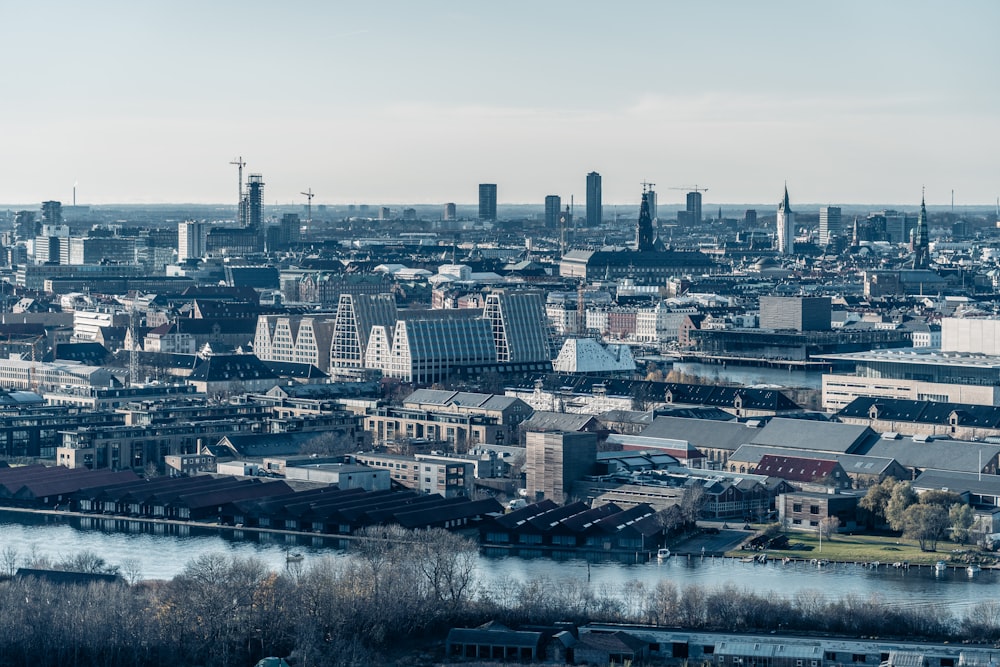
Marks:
<point>155,102</point>
<point>706,205</point>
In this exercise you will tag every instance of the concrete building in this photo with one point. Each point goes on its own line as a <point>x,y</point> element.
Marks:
<point>553,461</point>
<point>488,201</point>
<point>449,212</point>
<point>553,206</point>
<point>450,479</point>
<point>595,212</point>
<point>693,208</point>
<point>343,475</point>
<point>798,313</point>
<point>830,224</point>
<point>357,316</point>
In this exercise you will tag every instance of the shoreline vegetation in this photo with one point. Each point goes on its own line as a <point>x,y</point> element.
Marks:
<point>399,588</point>
<point>884,550</point>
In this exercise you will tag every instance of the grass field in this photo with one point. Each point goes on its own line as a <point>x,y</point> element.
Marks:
<point>858,549</point>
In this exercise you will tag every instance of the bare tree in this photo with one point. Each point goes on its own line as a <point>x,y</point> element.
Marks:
<point>9,559</point>
<point>828,527</point>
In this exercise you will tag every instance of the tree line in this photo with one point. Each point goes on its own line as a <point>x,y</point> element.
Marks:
<point>395,589</point>
<point>927,518</point>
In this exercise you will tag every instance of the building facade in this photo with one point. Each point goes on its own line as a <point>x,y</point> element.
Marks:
<point>488,201</point>
<point>594,200</point>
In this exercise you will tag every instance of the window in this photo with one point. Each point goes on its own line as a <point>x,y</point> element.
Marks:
<point>814,509</point>
<point>797,507</point>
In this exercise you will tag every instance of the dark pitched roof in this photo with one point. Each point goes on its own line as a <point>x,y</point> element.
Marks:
<point>794,468</point>
<point>226,367</point>
<point>923,412</point>
<point>291,369</point>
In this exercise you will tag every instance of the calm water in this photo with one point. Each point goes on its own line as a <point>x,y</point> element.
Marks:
<point>163,554</point>
<point>750,375</point>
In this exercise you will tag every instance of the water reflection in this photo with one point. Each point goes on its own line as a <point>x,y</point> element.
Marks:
<point>162,551</point>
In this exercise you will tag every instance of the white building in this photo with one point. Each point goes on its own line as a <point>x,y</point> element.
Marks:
<point>586,355</point>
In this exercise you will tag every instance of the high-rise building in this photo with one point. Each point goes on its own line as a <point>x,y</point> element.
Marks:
<point>25,225</point>
<point>190,240</point>
<point>51,213</point>
<point>693,208</point>
<point>829,224</point>
<point>255,201</point>
<point>487,201</point>
<point>553,205</point>
<point>594,205</point>
<point>449,211</point>
<point>651,201</point>
<point>750,216</point>
<point>786,226</point>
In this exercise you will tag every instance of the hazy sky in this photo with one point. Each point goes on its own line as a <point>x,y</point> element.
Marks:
<point>419,101</point>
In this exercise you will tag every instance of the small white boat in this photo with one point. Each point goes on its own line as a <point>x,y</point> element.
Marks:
<point>973,570</point>
<point>940,566</point>
<point>663,554</point>
<point>294,557</point>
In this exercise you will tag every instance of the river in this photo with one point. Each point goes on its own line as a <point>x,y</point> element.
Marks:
<point>162,552</point>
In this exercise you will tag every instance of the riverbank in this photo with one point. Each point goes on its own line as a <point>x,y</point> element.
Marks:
<point>872,550</point>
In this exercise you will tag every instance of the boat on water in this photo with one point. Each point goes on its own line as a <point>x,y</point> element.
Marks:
<point>940,566</point>
<point>973,570</point>
<point>295,557</point>
<point>663,554</point>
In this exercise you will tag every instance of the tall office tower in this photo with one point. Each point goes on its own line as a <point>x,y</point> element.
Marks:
<point>554,460</point>
<point>254,201</point>
<point>190,240</point>
<point>51,213</point>
<point>644,228</point>
<point>385,213</point>
<point>921,259</point>
<point>487,201</point>
<point>25,225</point>
<point>553,205</point>
<point>829,224</point>
<point>516,319</point>
<point>594,206</point>
<point>651,200</point>
<point>750,216</point>
<point>449,211</point>
<point>694,208</point>
<point>786,226</point>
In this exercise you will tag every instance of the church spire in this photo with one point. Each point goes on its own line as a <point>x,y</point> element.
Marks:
<point>644,228</point>
<point>921,241</point>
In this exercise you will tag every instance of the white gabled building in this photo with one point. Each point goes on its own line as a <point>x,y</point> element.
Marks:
<point>586,355</point>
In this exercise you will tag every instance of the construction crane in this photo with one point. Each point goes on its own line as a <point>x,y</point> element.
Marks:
<point>309,208</point>
<point>648,187</point>
<point>239,189</point>
<point>690,188</point>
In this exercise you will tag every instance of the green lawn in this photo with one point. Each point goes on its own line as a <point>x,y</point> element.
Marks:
<point>857,548</point>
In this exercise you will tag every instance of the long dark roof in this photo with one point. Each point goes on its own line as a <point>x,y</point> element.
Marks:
<point>923,412</point>
<point>693,394</point>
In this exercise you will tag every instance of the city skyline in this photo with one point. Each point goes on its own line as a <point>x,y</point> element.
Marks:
<point>392,102</point>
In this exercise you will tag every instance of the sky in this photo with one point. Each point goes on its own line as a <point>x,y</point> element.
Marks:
<point>418,102</point>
